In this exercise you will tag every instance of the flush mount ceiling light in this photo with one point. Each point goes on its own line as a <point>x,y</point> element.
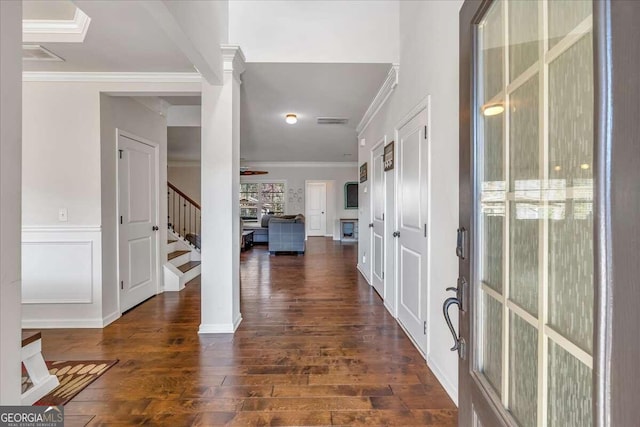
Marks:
<point>291,118</point>
<point>492,109</point>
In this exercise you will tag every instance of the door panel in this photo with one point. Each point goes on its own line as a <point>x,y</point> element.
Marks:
<point>138,209</point>
<point>526,204</point>
<point>412,221</point>
<point>316,198</point>
<point>140,252</point>
<point>378,211</point>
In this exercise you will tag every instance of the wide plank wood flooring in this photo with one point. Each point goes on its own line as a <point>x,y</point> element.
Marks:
<point>316,347</point>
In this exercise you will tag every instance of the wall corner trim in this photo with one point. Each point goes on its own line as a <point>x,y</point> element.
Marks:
<point>381,97</point>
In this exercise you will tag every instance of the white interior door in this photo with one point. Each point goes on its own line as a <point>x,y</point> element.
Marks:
<point>138,231</point>
<point>377,220</point>
<point>316,217</point>
<point>412,226</point>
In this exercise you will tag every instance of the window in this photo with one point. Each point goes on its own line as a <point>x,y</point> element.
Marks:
<point>260,198</point>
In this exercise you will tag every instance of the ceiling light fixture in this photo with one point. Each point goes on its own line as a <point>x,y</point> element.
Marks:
<point>492,109</point>
<point>291,118</point>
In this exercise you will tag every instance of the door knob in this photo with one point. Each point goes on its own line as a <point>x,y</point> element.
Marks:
<point>371,225</point>
<point>155,228</point>
<point>396,234</point>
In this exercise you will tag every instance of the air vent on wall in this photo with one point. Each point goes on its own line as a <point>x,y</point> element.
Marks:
<point>332,120</point>
<point>35,52</point>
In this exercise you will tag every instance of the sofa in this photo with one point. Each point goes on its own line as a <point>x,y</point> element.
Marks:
<point>260,232</point>
<point>286,234</point>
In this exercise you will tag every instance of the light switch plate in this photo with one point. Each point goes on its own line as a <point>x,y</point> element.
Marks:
<point>62,215</point>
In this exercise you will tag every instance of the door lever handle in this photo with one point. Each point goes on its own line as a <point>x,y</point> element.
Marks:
<point>459,344</point>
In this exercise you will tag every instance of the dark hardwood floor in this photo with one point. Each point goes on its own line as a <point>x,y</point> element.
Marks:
<point>316,347</point>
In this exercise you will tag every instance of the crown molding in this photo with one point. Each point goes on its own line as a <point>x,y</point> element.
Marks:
<point>56,31</point>
<point>301,164</point>
<point>381,97</point>
<point>44,76</point>
<point>233,59</point>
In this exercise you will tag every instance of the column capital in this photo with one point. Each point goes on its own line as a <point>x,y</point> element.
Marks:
<point>234,60</point>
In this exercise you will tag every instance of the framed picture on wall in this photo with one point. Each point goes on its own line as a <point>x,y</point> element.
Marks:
<point>351,195</point>
<point>363,172</point>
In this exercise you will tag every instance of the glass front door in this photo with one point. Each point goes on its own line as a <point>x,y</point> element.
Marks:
<point>533,276</point>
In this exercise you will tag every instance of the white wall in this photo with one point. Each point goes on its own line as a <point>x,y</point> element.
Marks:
<point>69,162</point>
<point>428,66</point>
<point>186,177</point>
<point>296,174</point>
<point>10,135</point>
<point>315,31</point>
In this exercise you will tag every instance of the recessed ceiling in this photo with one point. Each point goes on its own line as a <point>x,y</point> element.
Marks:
<point>271,90</point>
<point>123,37</point>
<point>49,10</point>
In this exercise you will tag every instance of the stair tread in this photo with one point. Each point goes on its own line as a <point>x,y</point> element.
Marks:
<point>170,241</point>
<point>188,266</point>
<point>176,254</point>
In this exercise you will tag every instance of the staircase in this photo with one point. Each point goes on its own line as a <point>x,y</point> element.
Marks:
<point>183,245</point>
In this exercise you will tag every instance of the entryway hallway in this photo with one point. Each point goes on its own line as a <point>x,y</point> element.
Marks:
<point>316,347</point>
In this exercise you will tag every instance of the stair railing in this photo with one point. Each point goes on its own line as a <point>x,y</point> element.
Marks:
<point>185,216</point>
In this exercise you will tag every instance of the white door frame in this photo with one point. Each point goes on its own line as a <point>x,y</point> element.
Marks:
<point>381,143</point>
<point>326,206</point>
<point>159,262</point>
<point>424,104</point>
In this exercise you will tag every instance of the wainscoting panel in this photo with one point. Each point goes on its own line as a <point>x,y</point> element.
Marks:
<point>57,272</point>
<point>61,277</point>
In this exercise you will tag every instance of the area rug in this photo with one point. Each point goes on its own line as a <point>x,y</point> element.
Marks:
<point>74,376</point>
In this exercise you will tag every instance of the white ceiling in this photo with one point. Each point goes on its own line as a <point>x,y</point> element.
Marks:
<point>122,37</point>
<point>183,100</point>
<point>183,143</point>
<point>270,90</point>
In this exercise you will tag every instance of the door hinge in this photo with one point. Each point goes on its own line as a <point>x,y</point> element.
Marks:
<point>122,284</point>
<point>425,230</point>
<point>383,274</point>
<point>425,131</point>
<point>120,219</point>
<point>425,328</point>
<point>120,153</point>
<point>383,217</point>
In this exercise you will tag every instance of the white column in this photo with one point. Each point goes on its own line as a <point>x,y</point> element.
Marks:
<point>220,292</point>
<point>10,199</point>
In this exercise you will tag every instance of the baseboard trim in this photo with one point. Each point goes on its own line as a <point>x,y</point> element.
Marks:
<point>450,388</point>
<point>107,320</point>
<point>390,310</point>
<point>361,270</point>
<point>220,328</point>
<point>62,323</point>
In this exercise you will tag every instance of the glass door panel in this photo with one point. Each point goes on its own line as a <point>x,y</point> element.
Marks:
<point>534,145</point>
